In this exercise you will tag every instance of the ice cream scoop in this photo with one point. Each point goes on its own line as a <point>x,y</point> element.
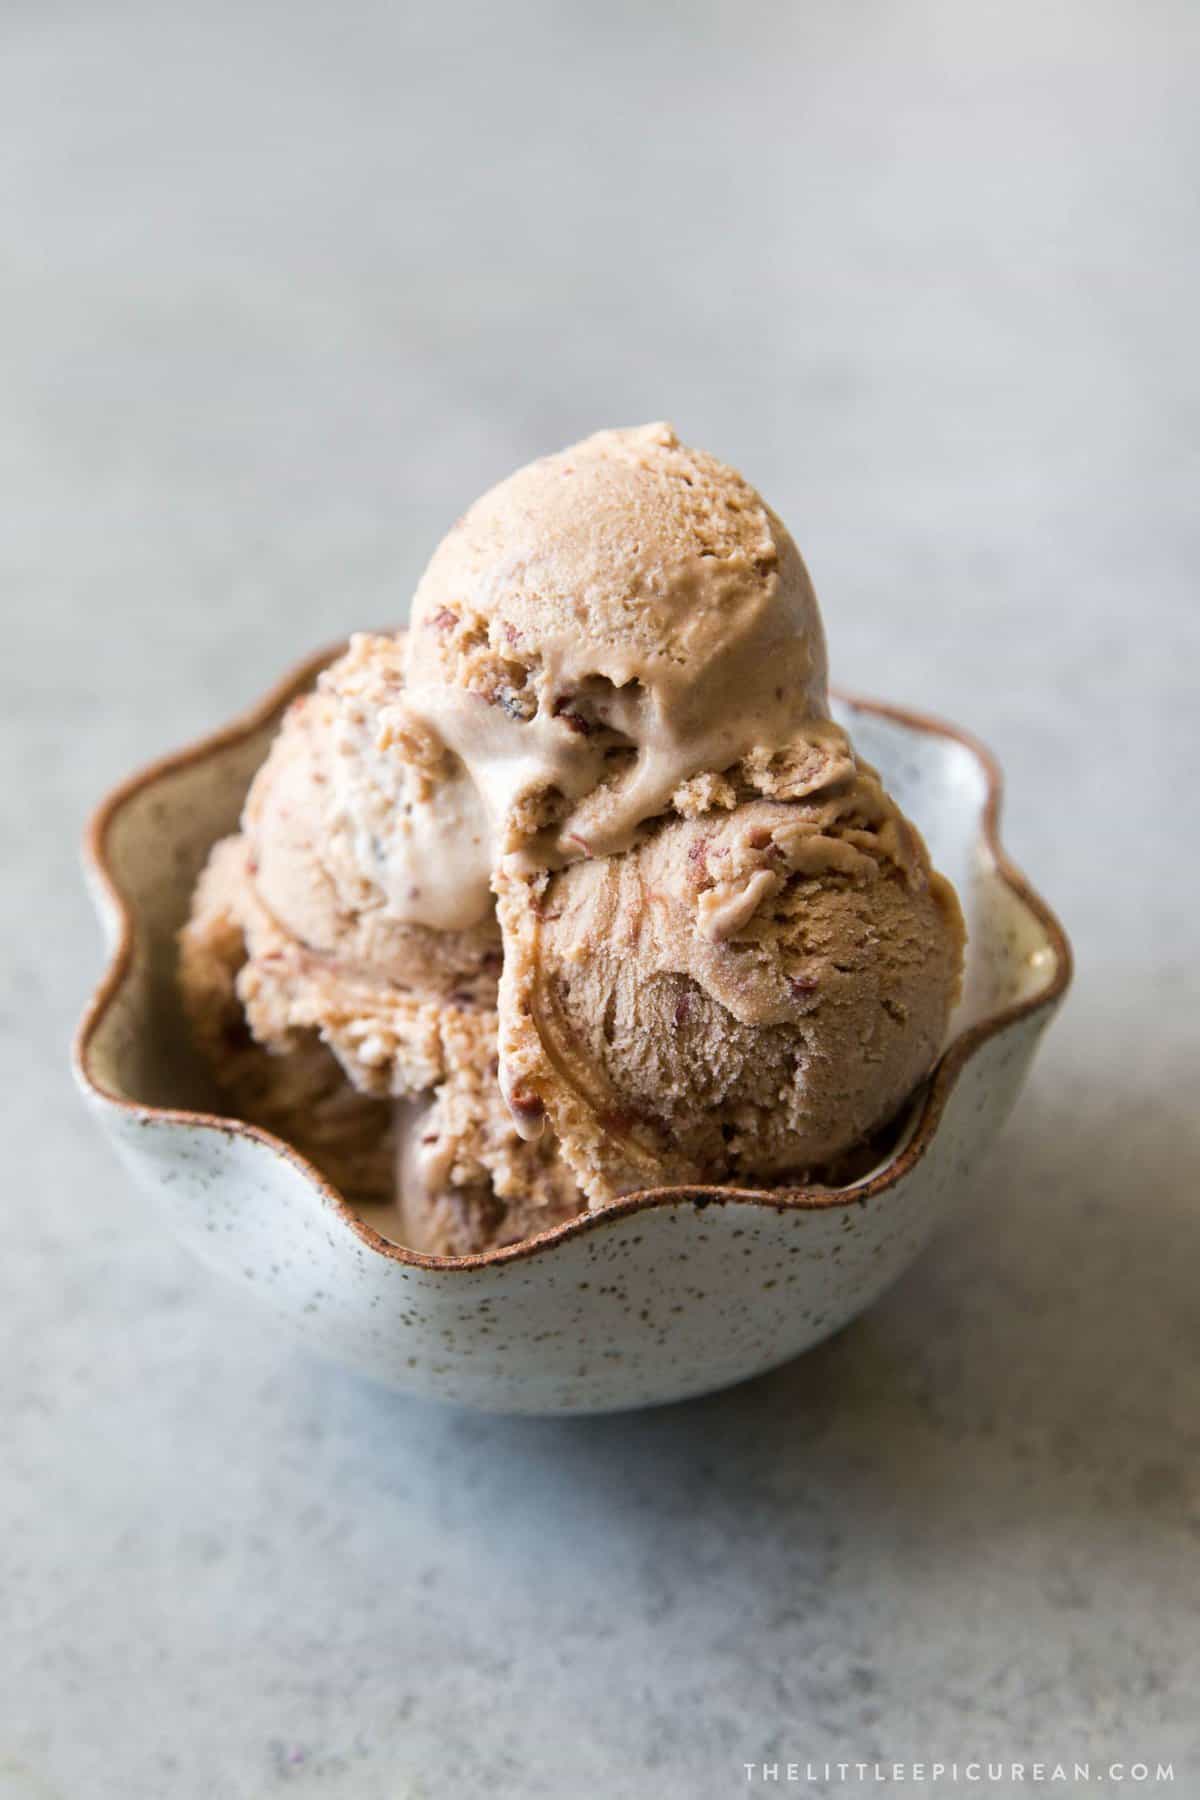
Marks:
<point>601,627</point>
<point>367,831</point>
<point>367,1039</point>
<point>742,996</point>
<point>349,806</point>
<point>294,1086</point>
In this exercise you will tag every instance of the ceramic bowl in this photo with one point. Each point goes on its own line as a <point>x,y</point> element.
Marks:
<point>665,1294</point>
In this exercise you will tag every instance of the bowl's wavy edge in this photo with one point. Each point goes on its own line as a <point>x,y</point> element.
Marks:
<point>950,1065</point>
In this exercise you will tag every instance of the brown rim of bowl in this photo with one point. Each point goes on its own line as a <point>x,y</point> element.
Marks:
<point>937,1090</point>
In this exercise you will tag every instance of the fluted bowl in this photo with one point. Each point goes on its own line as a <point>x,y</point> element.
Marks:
<point>665,1294</point>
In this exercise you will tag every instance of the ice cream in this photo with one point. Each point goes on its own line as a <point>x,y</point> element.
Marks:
<point>580,875</point>
<point>464,1177</point>
<point>741,997</point>
<point>366,1040</point>
<point>361,833</point>
<point>600,628</point>
<point>622,646</point>
<point>293,1086</point>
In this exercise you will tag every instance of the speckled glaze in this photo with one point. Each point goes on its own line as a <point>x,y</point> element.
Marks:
<point>665,1294</point>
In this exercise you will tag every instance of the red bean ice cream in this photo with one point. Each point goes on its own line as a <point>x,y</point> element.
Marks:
<point>576,888</point>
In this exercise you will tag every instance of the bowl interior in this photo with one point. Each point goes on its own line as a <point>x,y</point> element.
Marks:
<point>152,839</point>
<point>943,784</point>
<point>154,843</point>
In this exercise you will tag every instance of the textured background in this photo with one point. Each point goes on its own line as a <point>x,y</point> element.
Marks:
<point>283,287</point>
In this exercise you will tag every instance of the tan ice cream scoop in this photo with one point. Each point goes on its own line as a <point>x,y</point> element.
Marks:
<point>366,1039</point>
<point>743,996</point>
<point>292,1084</point>
<point>367,832</point>
<point>602,626</point>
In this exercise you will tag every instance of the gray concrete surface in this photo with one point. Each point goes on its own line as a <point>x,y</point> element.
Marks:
<point>282,288</point>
